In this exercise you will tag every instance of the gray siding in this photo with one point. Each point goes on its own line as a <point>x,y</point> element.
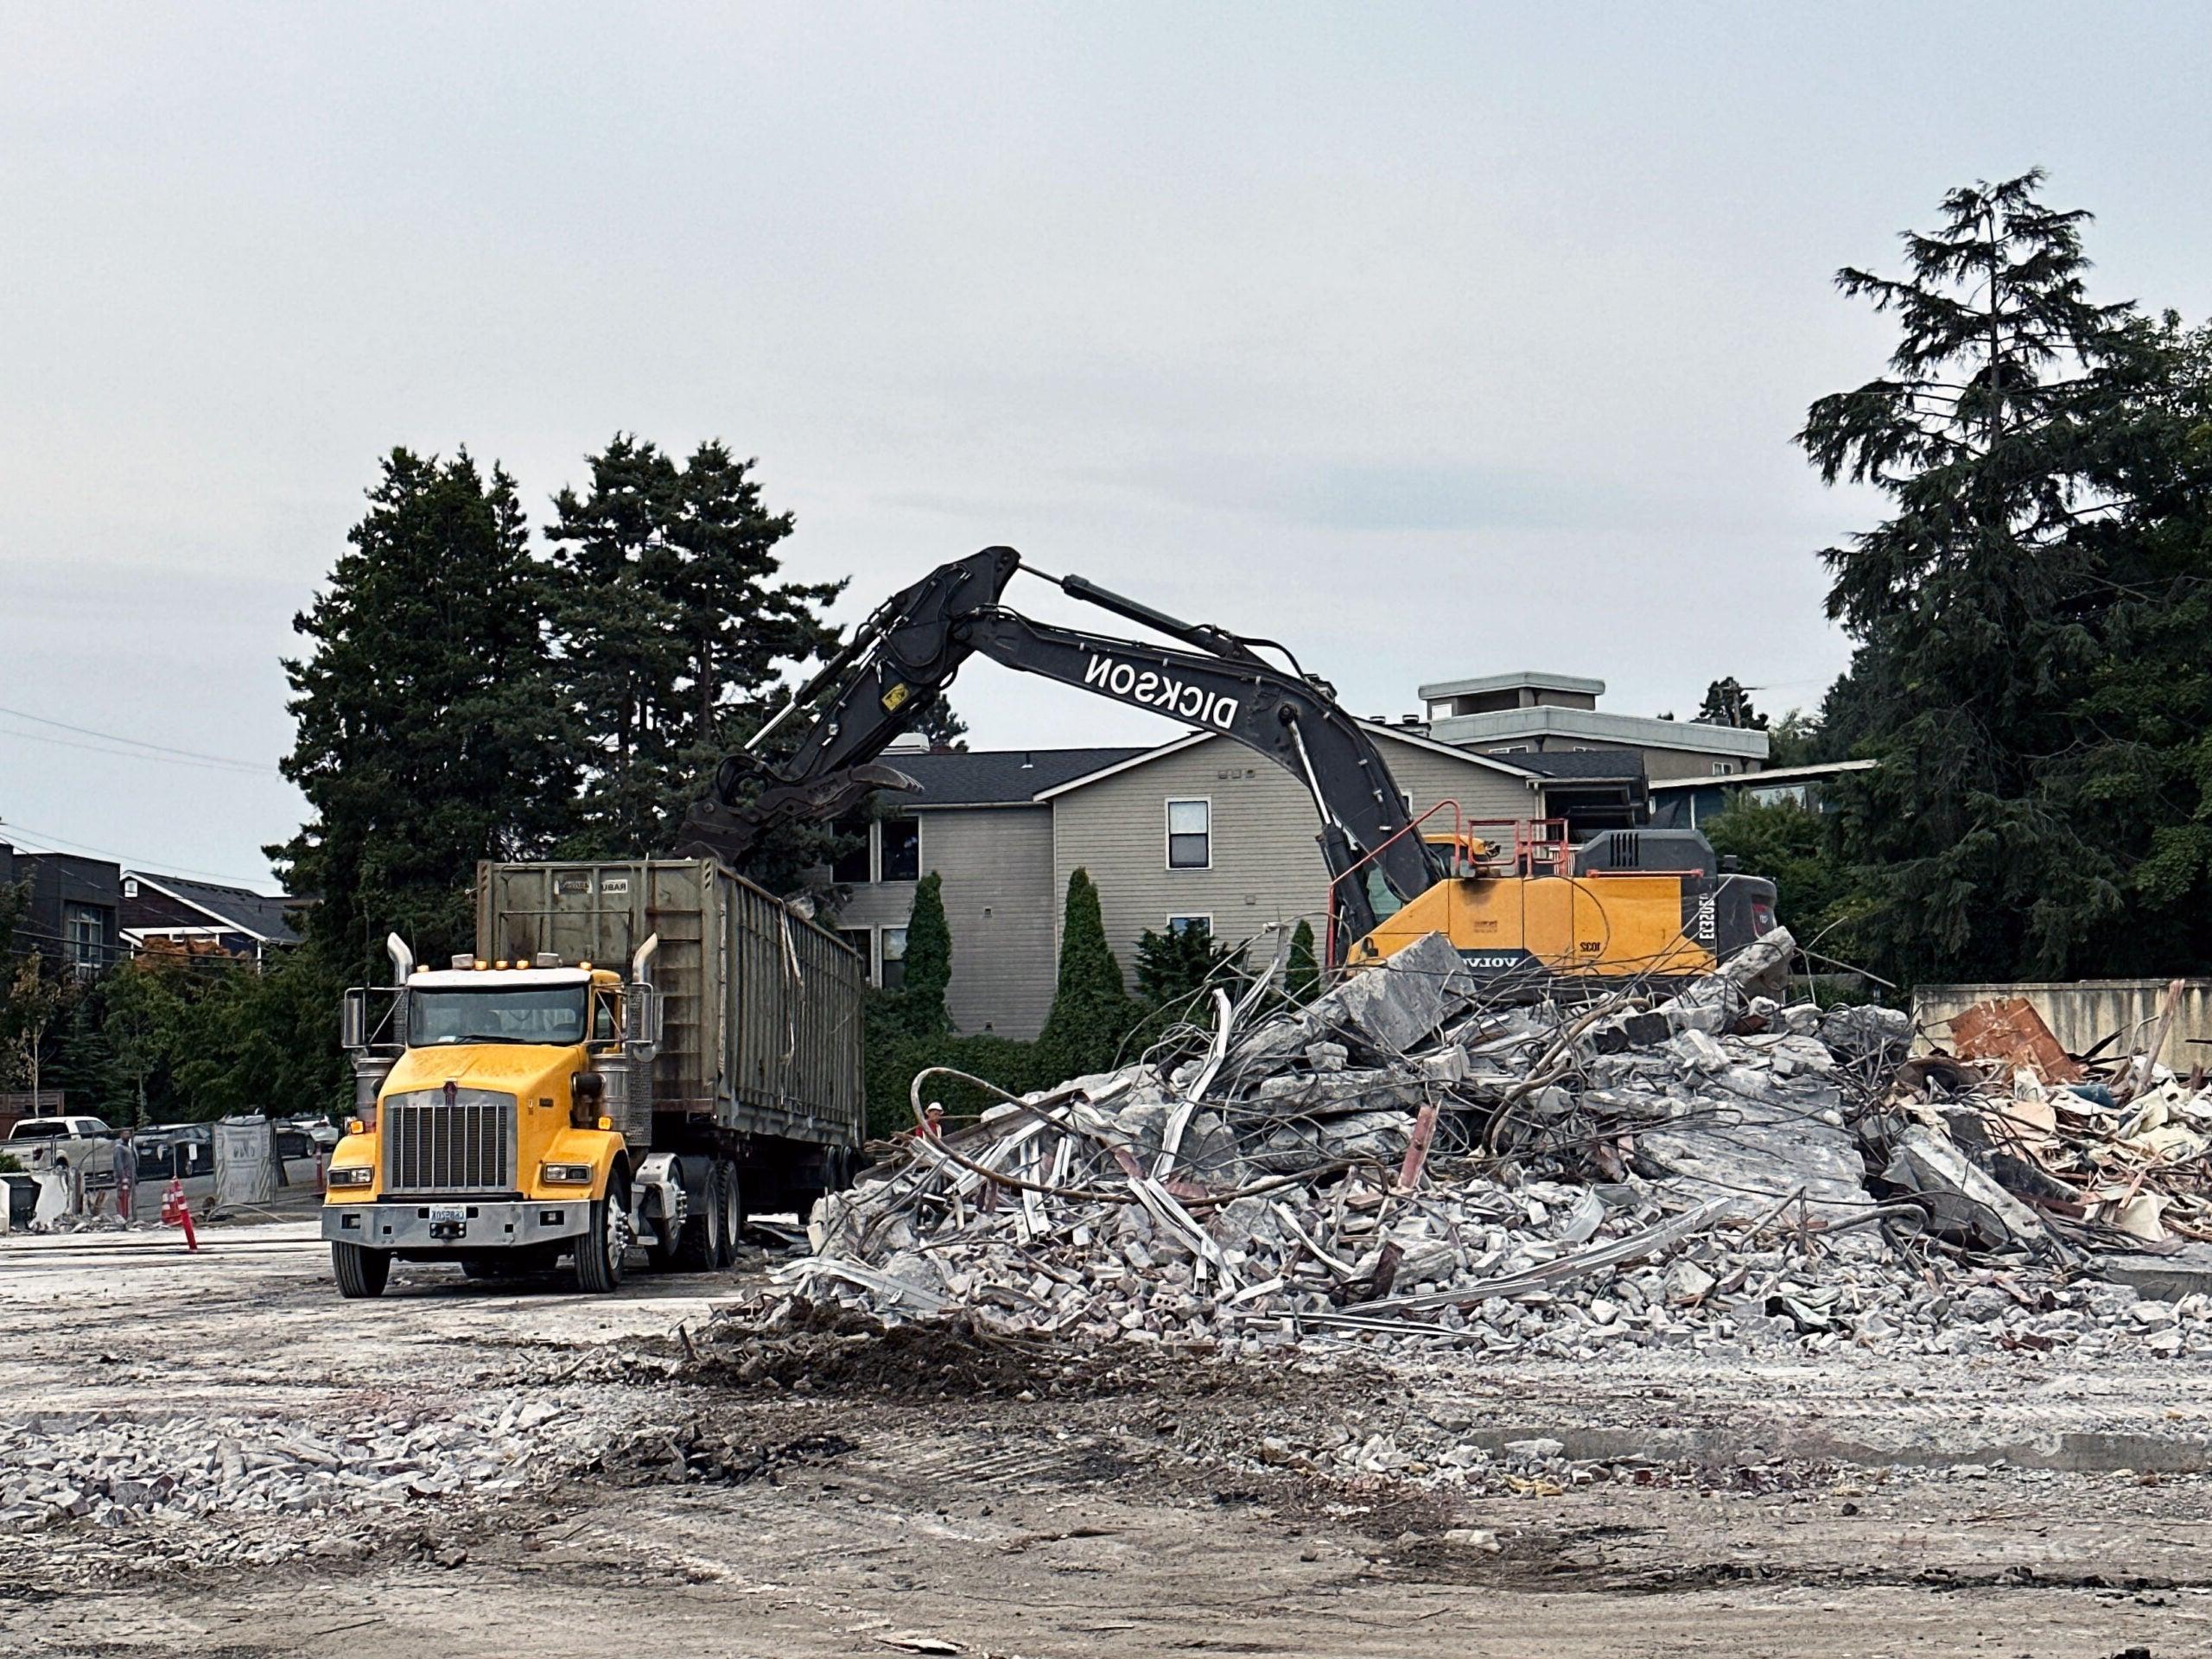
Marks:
<point>1000,906</point>
<point>1267,868</point>
<point>1657,763</point>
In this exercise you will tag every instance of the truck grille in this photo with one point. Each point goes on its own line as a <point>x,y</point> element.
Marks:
<point>464,1143</point>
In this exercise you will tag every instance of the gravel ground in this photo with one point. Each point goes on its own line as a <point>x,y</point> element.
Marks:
<point>461,1470</point>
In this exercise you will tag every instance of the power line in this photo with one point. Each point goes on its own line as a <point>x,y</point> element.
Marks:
<point>152,866</point>
<point>138,742</point>
<point>233,768</point>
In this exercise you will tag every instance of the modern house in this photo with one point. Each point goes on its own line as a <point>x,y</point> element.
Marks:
<point>1685,802</point>
<point>1528,713</point>
<point>203,918</point>
<point>72,919</point>
<point>1194,832</point>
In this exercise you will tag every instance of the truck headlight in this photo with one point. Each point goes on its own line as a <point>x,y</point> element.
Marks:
<point>565,1174</point>
<point>351,1175</point>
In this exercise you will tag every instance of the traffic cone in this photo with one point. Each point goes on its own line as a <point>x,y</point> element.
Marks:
<point>177,1212</point>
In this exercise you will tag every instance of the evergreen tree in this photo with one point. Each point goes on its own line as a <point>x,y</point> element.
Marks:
<point>1727,703</point>
<point>1815,897</point>
<point>1092,1013</point>
<point>429,733</point>
<point>1798,740</point>
<point>675,632</point>
<point>942,727</point>
<point>1174,967</point>
<point>2002,438</point>
<point>918,1003</point>
<point>1302,973</point>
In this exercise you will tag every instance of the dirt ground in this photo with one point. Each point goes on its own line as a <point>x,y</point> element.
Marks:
<point>856,1496</point>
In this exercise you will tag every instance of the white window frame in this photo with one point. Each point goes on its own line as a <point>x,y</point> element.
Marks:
<point>881,959</point>
<point>1205,916</point>
<point>1168,831</point>
<point>875,849</point>
<point>1724,769</point>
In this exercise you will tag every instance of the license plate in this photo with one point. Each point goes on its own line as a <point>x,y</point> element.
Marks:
<point>448,1212</point>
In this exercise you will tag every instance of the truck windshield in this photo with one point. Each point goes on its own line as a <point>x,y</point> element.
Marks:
<point>554,1016</point>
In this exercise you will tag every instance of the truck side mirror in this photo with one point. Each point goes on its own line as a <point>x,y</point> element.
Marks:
<point>353,1021</point>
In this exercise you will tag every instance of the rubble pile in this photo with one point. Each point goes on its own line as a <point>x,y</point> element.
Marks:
<point>1405,1164</point>
<point>2125,1160</point>
<point>254,1488</point>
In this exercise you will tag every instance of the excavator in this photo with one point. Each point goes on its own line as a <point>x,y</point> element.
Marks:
<point>1640,904</point>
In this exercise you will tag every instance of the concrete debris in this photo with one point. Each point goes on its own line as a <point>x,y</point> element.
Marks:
<point>2123,1163</point>
<point>1591,1173</point>
<point>1963,1199</point>
<point>260,1490</point>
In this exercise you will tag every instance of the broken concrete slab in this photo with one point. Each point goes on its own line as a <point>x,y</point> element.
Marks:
<point>1963,1200</point>
<point>2184,1272</point>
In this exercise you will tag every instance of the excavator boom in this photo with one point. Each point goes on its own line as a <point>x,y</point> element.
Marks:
<point>903,657</point>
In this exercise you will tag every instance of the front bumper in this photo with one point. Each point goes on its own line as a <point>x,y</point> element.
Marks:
<point>457,1224</point>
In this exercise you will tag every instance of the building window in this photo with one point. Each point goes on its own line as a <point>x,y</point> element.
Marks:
<point>861,939</point>
<point>86,936</point>
<point>902,849</point>
<point>849,867</point>
<point>1190,835</point>
<point>1724,768</point>
<point>1190,925</point>
<point>894,959</point>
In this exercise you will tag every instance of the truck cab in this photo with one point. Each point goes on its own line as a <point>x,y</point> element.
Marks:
<point>502,1113</point>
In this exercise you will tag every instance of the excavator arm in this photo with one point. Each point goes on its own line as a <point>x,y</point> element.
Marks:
<point>901,659</point>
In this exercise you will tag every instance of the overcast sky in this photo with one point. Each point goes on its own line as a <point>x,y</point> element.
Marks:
<point>1432,340</point>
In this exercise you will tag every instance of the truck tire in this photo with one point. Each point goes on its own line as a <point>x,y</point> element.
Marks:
<point>599,1252</point>
<point>361,1271</point>
<point>700,1247</point>
<point>729,1200</point>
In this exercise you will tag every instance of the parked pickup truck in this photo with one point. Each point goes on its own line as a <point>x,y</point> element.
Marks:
<point>85,1145</point>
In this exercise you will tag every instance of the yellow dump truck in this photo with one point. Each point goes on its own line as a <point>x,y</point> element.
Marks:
<point>635,1055</point>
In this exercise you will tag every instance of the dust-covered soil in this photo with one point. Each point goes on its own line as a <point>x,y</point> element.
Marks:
<point>650,1477</point>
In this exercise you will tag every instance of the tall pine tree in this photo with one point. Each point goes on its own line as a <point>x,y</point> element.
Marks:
<point>429,735</point>
<point>675,630</point>
<point>1978,602</point>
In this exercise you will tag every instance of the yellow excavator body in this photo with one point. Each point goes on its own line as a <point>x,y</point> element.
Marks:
<point>1609,925</point>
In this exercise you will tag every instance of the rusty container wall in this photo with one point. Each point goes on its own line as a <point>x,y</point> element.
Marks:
<point>761,1011</point>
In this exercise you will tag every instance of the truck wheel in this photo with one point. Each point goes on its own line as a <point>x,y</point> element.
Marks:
<point>599,1252</point>
<point>699,1245</point>
<point>359,1270</point>
<point>729,1198</point>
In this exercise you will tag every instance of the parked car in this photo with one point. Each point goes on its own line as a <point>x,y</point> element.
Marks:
<point>182,1150</point>
<point>321,1130</point>
<point>85,1145</point>
<point>186,1151</point>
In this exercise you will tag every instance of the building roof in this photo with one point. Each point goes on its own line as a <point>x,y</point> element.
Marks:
<point>1375,728</point>
<point>261,916</point>
<point>1771,775</point>
<point>1597,726</point>
<point>1582,763</point>
<point>995,777</point>
<point>1520,679</point>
